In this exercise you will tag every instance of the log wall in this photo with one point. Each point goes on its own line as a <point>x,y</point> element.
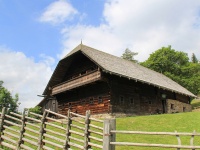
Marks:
<point>132,97</point>
<point>94,97</point>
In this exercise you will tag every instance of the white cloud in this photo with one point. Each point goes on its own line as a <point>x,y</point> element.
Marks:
<point>143,26</point>
<point>58,12</point>
<point>97,37</point>
<point>24,76</point>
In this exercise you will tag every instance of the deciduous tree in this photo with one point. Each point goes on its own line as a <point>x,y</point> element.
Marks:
<point>175,65</point>
<point>7,100</point>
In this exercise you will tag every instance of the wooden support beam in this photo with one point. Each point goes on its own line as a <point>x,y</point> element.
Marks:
<point>1,123</point>
<point>20,141</point>
<point>42,126</point>
<point>86,133</point>
<point>109,124</point>
<point>67,140</point>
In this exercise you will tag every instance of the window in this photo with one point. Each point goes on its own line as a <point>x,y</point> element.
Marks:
<point>131,101</point>
<point>172,106</point>
<point>70,104</point>
<point>121,100</point>
<point>100,100</point>
<point>91,100</point>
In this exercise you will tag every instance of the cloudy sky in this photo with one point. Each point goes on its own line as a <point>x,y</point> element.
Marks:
<point>34,35</point>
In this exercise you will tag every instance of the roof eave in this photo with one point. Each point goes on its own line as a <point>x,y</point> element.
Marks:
<point>159,86</point>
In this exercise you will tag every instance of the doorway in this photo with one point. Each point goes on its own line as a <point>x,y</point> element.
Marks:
<point>164,106</point>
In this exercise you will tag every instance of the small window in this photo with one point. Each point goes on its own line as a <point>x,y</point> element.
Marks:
<point>70,104</point>
<point>91,100</point>
<point>172,106</point>
<point>121,100</point>
<point>100,100</point>
<point>131,101</point>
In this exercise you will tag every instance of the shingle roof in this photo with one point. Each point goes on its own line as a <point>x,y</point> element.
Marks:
<point>118,66</point>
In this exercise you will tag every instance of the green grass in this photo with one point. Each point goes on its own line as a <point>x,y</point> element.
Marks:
<point>181,122</point>
<point>195,103</point>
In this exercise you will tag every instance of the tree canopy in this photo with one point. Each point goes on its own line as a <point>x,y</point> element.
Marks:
<point>129,55</point>
<point>176,65</point>
<point>7,100</point>
<point>194,58</point>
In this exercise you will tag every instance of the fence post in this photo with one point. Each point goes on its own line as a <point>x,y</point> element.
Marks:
<point>66,145</point>
<point>21,131</point>
<point>87,122</point>
<point>1,122</point>
<point>40,143</point>
<point>109,124</point>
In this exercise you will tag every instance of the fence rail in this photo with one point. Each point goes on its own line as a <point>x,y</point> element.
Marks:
<point>110,134</point>
<point>50,131</point>
<point>55,131</point>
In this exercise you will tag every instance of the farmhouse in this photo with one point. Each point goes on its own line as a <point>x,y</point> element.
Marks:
<point>89,79</point>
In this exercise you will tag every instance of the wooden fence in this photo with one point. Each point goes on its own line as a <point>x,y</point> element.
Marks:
<point>35,132</point>
<point>110,134</point>
<point>55,131</point>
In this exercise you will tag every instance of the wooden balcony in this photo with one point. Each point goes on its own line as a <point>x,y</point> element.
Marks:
<point>76,82</point>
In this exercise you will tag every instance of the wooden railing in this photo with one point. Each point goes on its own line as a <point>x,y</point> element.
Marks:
<point>35,132</point>
<point>110,142</point>
<point>74,131</point>
<point>84,79</point>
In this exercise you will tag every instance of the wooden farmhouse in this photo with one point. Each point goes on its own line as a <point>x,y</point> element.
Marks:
<point>89,79</point>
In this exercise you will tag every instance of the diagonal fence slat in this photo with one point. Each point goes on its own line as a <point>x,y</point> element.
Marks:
<point>8,139</point>
<point>26,147</point>
<point>33,131</point>
<point>7,145</point>
<point>54,138</point>
<point>11,134</point>
<point>43,132</point>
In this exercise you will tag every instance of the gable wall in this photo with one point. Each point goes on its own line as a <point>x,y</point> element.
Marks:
<point>80,65</point>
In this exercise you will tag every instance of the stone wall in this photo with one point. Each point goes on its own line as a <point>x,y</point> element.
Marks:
<point>174,106</point>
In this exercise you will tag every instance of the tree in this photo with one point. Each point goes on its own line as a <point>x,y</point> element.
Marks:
<point>36,110</point>
<point>175,65</point>
<point>166,60</point>
<point>7,100</point>
<point>194,58</point>
<point>129,55</point>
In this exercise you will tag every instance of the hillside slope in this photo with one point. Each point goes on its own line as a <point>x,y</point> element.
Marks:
<point>181,122</point>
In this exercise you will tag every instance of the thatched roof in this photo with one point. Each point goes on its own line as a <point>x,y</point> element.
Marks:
<point>120,67</point>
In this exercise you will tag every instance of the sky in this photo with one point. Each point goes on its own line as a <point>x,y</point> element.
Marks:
<point>35,35</point>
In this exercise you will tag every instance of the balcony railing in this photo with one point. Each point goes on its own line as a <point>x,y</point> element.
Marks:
<point>82,80</point>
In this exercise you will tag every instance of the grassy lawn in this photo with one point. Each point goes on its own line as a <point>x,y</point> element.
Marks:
<point>181,122</point>
<point>195,103</point>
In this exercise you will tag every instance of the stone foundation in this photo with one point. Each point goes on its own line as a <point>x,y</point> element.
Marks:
<point>174,106</point>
